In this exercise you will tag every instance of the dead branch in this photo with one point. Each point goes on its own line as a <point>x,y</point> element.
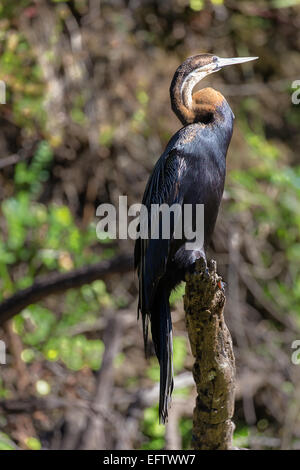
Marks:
<point>94,434</point>
<point>23,154</point>
<point>56,283</point>
<point>214,368</point>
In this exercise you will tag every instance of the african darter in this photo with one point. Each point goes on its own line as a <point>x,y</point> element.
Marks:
<point>190,171</point>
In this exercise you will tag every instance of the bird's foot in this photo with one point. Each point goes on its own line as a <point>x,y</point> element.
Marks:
<point>208,272</point>
<point>213,273</point>
<point>204,284</point>
<point>200,264</point>
<point>221,284</point>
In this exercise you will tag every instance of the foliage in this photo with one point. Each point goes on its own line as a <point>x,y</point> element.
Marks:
<point>270,190</point>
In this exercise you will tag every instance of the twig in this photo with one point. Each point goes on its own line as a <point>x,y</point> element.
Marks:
<point>143,398</point>
<point>173,437</point>
<point>16,347</point>
<point>94,434</point>
<point>234,304</point>
<point>17,157</point>
<point>32,404</point>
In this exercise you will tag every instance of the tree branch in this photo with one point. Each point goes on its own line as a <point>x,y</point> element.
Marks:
<point>214,368</point>
<point>56,283</point>
<point>18,157</point>
<point>94,434</point>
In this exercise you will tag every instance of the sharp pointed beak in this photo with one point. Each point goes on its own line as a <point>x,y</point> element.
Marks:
<point>237,60</point>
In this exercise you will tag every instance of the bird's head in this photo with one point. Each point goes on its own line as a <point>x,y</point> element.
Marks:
<point>189,73</point>
<point>199,66</point>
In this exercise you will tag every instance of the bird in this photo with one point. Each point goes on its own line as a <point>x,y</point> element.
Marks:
<point>191,171</point>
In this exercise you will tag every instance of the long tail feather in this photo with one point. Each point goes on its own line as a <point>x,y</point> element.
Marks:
<point>161,328</point>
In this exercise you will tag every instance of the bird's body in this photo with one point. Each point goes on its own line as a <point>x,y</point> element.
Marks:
<point>190,171</point>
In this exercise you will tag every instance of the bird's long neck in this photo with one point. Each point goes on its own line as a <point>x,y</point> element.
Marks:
<point>189,108</point>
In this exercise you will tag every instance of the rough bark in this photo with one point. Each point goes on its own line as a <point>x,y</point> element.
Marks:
<point>214,367</point>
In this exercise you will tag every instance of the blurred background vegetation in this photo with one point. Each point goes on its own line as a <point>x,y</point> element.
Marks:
<point>87,114</point>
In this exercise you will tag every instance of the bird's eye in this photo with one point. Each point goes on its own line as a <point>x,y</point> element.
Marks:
<point>215,58</point>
